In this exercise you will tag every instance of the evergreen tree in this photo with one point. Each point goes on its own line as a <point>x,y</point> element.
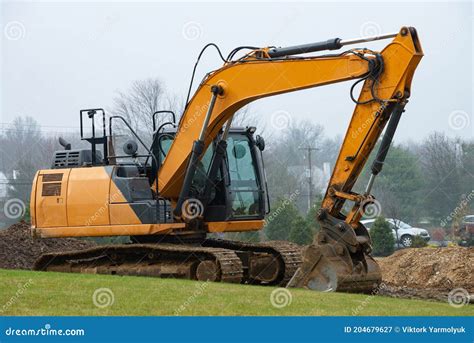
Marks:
<point>301,232</point>
<point>382,238</point>
<point>280,220</point>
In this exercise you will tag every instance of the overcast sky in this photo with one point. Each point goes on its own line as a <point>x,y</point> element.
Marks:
<point>57,58</point>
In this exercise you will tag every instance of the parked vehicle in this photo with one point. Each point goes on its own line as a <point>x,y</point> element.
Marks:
<point>466,231</point>
<point>402,232</point>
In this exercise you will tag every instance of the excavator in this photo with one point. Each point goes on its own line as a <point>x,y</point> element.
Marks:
<point>202,177</point>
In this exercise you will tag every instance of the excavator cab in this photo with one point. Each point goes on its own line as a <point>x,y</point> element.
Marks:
<point>237,190</point>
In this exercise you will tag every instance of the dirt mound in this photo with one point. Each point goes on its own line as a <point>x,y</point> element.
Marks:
<point>18,249</point>
<point>442,269</point>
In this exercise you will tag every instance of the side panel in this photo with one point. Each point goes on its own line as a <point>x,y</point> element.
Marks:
<point>88,197</point>
<point>50,205</point>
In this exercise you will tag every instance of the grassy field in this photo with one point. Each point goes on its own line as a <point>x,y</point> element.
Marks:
<point>37,293</point>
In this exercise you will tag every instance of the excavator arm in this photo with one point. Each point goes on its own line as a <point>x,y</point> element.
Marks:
<point>339,257</point>
<point>260,74</point>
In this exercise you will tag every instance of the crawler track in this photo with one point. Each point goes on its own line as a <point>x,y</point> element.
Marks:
<point>286,254</point>
<point>271,263</point>
<point>158,260</point>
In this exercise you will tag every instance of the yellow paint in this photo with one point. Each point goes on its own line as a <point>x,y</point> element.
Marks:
<point>235,226</point>
<point>88,197</point>
<point>106,230</point>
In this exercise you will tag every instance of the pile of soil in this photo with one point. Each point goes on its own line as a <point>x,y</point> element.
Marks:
<point>19,250</point>
<point>441,268</point>
<point>428,273</point>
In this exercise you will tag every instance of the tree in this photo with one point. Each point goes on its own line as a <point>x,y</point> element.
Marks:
<point>300,232</point>
<point>442,171</point>
<point>280,221</point>
<point>399,186</point>
<point>382,238</point>
<point>246,117</point>
<point>138,104</point>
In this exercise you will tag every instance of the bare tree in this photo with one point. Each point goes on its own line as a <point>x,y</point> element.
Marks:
<point>247,117</point>
<point>442,174</point>
<point>140,101</point>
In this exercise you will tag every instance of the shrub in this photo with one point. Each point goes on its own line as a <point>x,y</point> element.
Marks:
<point>382,238</point>
<point>418,242</point>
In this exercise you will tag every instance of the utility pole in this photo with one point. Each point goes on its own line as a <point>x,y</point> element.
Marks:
<point>309,150</point>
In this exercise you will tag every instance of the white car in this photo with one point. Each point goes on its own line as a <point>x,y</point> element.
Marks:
<point>405,232</point>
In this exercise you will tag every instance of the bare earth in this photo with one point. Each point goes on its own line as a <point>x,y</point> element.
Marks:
<point>18,249</point>
<point>427,273</point>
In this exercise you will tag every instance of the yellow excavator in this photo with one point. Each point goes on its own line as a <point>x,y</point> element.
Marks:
<point>202,176</point>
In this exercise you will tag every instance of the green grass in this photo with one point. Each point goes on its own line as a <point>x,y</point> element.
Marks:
<point>39,293</point>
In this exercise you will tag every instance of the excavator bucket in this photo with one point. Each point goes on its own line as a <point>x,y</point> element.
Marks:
<point>333,265</point>
<point>324,270</point>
